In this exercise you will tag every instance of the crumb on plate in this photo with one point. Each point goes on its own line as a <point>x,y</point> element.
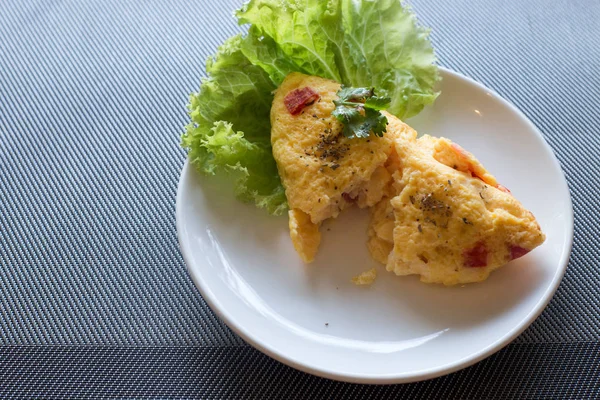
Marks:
<point>366,278</point>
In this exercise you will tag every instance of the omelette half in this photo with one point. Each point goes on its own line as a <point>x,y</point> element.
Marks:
<point>449,220</point>
<point>324,172</point>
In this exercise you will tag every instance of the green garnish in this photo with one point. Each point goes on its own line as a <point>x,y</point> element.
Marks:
<point>359,110</point>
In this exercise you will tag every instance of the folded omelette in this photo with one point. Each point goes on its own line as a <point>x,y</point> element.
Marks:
<point>436,211</point>
<point>449,221</point>
<point>324,172</point>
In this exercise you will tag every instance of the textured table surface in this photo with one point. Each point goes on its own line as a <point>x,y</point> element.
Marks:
<point>95,299</point>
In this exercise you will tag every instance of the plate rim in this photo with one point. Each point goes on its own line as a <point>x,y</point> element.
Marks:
<point>405,377</point>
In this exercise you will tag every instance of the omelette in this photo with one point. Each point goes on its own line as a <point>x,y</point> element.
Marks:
<point>435,210</point>
<point>324,172</point>
<point>449,220</point>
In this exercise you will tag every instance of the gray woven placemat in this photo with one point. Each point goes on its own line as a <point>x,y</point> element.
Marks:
<point>94,296</point>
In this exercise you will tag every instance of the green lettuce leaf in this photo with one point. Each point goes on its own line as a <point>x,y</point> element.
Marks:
<point>390,52</point>
<point>360,43</point>
<point>295,26</point>
<point>230,129</point>
<point>262,51</point>
<point>366,43</point>
<point>236,91</point>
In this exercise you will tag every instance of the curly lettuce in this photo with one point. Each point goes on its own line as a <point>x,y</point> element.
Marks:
<point>360,43</point>
<point>230,129</point>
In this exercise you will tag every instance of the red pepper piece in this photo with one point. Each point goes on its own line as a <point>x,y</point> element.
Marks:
<point>476,257</point>
<point>503,188</point>
<point>462,153</point>
<point>517,251</point>
<point>297,99</point>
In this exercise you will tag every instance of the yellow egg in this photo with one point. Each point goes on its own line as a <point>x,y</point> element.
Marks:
<point>452,222</point>
<point>322,171</point>
<point>305,235</point>
<point>437,212</point>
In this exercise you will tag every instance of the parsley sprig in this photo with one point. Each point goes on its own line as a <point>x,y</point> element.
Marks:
<point>358,109</point>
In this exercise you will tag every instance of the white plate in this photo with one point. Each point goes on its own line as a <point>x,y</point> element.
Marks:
<point>398,330</point>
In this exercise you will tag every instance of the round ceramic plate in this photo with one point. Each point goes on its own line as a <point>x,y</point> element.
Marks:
<point>313,318</point>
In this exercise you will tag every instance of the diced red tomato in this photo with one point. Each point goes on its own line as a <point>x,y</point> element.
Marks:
<point>462,153</point>
<point>517,251</point>
<point>297,99</point>
<point>503,188</point>
<point>476,257</point>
